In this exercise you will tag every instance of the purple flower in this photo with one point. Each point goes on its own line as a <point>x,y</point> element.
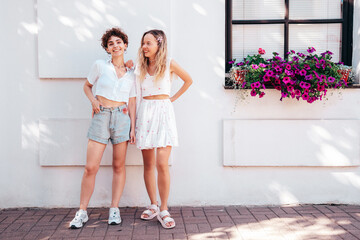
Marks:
<point>286,80</point>
<point>322,78</point>
<point>292,51</point>
<point>231,62</point>
<point>253,93</point>
<point>303,72</point>
<point>288,66</point>
<point>278,69</point>
<point>240,64</point>
<point>289,73</point>
<point>257,84</point>
<point>266,78</point>
<point>262,65</point>
<point>297,72</point>
<point>311,50</point>
<point>317,65</point>
<point>295,58</point>
<point>305,96</point>
<point>283,95</point>
<point>320,88</point>
<point>261,94</point>
<point>301,54</point>
<point>290,88</point>
<point>322,61</point>
<point>304,85</point>
<point>297,92</point>
<point>270,73</point>
<point>277,87</point>
<point>292,95</point>
<point>331,79</point>
<point>306,67</point>
<point>309,77</point>
<point>254,66</point>
<point>278,58</point>
<point>277,81</point>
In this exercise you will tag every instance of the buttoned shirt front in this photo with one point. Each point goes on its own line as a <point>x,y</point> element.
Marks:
<point>106,83</point>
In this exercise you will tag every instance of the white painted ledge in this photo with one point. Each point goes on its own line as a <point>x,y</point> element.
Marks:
<point>291,143</point>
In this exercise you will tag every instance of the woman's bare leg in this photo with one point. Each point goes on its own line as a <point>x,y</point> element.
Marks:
<point>149,174</point>
<point>162,165</point>
<point>94,154</point>
<point>119,172</point>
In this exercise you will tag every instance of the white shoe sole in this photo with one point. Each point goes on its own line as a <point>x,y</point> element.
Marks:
<point>114,223</point>
<point>77,227</point>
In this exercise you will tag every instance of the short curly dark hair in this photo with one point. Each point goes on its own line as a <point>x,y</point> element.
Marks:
<point>113,32</point>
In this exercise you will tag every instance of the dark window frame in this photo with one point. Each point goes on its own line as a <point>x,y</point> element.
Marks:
<point>346,30</point>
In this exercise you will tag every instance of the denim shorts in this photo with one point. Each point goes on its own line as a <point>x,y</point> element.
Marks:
<point>110,123</point>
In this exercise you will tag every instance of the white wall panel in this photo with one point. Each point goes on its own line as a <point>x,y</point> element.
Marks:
<point>291,142</point>
<point>70,31</point>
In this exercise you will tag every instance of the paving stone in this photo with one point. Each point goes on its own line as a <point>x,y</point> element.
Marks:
<point>320,222</point>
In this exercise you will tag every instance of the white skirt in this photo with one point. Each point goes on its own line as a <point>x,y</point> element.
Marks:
<point>155,124</point>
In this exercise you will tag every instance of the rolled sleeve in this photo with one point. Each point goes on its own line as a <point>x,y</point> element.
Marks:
<point>94,73</point>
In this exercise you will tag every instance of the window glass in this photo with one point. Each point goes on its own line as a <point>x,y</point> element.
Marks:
<point>247,39</point>
<point>322,37</point>
<point>315,9</point>
<point>258,9</point>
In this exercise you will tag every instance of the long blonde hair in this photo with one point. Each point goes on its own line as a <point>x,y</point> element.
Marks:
<point>160,58</point>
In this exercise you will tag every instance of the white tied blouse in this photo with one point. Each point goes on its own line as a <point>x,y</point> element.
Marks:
<point>106,83</point>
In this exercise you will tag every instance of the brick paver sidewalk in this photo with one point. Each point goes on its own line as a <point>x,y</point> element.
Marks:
<point>324,222</point>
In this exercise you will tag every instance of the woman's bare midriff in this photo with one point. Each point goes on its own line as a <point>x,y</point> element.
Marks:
<point>157,97</point>
<point>108,103</point>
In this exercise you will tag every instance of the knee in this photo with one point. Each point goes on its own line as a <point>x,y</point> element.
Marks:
<point>118,168</point>
<point>162,167</point>
<point>149,166</point>
<point>90,170</point>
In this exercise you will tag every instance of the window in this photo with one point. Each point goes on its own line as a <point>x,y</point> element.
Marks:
<point>283,25</point>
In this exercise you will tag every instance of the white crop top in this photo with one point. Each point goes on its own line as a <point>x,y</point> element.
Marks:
<point>108,85</point>
<point>149,87</point>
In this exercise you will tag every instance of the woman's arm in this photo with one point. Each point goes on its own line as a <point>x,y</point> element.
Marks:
<point>174,67</point>
<point>132,114</point>
<point>94,102</point>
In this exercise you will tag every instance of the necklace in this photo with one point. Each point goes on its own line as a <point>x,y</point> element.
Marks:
<point>118,66</point>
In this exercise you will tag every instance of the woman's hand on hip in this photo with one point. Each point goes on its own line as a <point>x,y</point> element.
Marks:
<point>95,106</point>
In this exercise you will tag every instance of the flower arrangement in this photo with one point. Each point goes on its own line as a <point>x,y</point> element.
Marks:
<point>300,76</point>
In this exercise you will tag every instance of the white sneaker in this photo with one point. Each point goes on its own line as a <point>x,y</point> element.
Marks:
<point>114,216</point>
<point>79,220</point>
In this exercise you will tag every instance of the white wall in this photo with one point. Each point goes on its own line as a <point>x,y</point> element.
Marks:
<point>198,174</point>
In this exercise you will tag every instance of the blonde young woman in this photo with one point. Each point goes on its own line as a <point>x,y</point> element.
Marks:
<point>156,131</point>
<point>113,105</point>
